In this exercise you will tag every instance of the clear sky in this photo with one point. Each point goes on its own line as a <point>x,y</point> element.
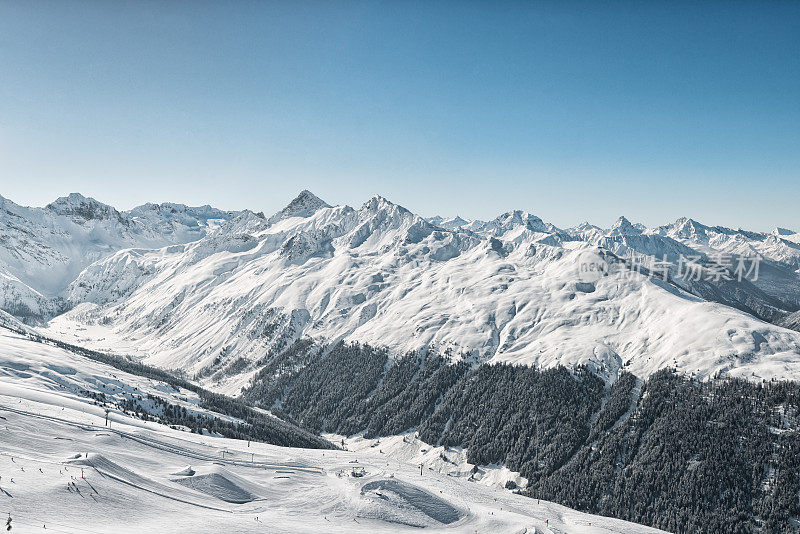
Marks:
<point>573,111</point>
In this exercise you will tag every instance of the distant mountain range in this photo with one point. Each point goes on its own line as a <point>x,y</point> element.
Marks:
<point>200,289</point>
<point>43,250</point>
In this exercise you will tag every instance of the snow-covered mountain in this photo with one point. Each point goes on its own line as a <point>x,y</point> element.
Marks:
<point>780,246</point>
<point>503,290</point>
<point>42,250</point>
<point>256,305</point>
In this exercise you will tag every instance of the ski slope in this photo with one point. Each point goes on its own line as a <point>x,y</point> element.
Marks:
<point>63,470</point>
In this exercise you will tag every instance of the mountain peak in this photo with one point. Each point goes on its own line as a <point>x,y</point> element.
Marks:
<point>685,222</point>
<point>306,200</point>
<point>688,228</point>
<point>378,202</point>
<point>169,212</point>
<point>452,223</point>
<point>378,199</point>
<point>782,231</point>
<point>303,205</point>
<point>73,199</point>
<point>624,227</point>
<point>80,207</point>
<point>516,218</point>
<point>456,222</point>
<point>585,226</point>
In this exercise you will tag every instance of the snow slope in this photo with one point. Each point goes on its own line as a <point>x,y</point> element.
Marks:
<point>384,276</point>
<point>63,470</point>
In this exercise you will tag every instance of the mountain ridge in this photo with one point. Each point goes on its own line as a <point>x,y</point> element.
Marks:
<point>503,291</point>
<point>187,287</point>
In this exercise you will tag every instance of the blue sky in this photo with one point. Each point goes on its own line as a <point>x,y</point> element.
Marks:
<point>573,111</point>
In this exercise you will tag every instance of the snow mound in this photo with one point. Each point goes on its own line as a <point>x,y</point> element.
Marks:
<point>185,472</point>
<point>219,485</point>
<point>400,502</point>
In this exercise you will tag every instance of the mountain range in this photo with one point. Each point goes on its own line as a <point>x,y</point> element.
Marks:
<point>648,374</point>
<point>209,292</point>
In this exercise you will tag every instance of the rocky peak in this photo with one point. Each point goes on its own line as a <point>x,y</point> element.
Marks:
<point>303,205</point>
<point>516,218</point>
<point>79,207</point>
<point>624,227</point>
<point>782,231</point>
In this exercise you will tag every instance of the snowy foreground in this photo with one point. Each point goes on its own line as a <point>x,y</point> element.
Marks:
<point>63,469</point>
